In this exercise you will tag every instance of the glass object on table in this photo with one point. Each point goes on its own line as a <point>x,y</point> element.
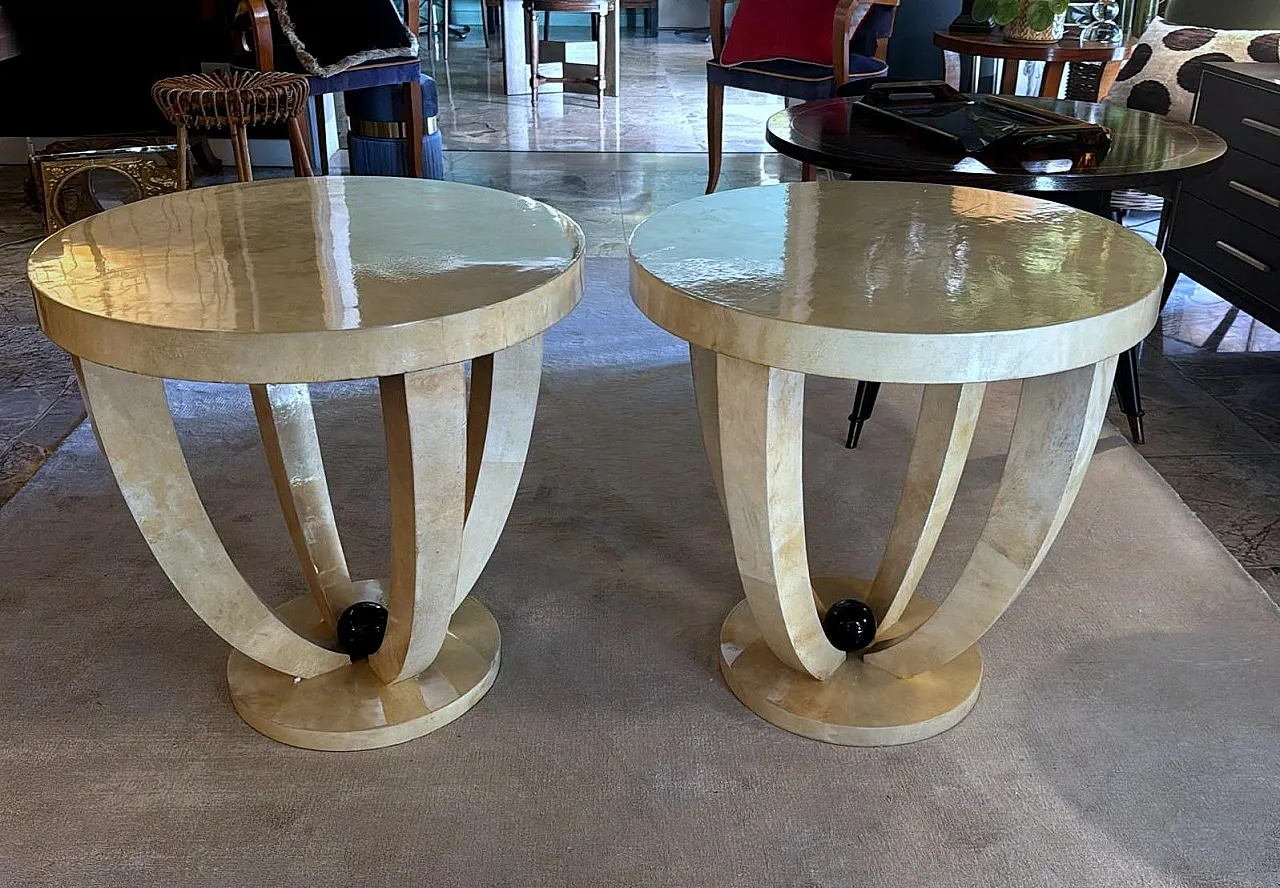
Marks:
<point>1105,28</point>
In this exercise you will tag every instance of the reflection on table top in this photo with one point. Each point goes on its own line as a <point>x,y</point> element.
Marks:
<point>1146,149</point>
<point>294,255</point>
<point>895,262</point>
<point>340,257</point>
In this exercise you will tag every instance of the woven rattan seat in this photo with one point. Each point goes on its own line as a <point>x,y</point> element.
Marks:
<point>235,99</point>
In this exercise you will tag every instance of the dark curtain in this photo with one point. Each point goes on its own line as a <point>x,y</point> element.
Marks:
<point>87,66</point>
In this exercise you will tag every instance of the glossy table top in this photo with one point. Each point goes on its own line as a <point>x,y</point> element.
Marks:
<point>896,282</point>
<point>307,279</point>
<point>1146,150</point>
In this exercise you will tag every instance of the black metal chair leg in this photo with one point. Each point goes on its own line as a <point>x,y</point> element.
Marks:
<point>1129,394</point>
<point>864,401</point>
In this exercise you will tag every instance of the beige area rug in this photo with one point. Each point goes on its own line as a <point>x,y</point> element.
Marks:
<point>1128,732</point>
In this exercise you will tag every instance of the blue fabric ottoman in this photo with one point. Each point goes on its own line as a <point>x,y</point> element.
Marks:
<point>376,139</point>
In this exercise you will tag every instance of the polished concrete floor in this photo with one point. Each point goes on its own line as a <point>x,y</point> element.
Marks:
<point>1210,374</point>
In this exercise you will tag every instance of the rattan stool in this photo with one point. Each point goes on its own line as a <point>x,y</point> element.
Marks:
<point>237,100</point>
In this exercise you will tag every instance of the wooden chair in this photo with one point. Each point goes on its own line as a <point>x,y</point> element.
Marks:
<point>491,16</point>
<point>860,44</point>
<point>650,9</point>
<point>404,72</point>
<point>597,9</point>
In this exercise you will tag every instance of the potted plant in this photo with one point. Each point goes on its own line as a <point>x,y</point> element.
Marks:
<point>1026,21</point>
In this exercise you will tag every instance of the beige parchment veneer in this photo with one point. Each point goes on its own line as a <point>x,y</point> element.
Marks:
<point>947,287</point>
<point>291,281</point>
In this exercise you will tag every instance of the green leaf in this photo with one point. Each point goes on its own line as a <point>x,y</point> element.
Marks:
<point>983,9</point>
<point>1060,6</point>
<point>1040,15</point>
<point>1006,11</point>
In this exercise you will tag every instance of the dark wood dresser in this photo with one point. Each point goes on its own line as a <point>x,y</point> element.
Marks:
<point>1225,231</point>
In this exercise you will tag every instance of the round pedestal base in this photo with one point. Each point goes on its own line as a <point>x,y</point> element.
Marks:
<point>350,708</point>
<point>861,705</point>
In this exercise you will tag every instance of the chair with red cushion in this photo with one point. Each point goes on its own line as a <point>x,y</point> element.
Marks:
<point>799,49</point>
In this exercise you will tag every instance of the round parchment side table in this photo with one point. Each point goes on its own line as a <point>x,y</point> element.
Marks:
<point>951,288</point>
<point>287,282</point>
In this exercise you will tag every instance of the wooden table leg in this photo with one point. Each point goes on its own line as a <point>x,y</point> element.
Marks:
<point>1051,83</point>
<point>455,462</point>
<point>1009,70</point>
<point>922,673</point>
<point>612,49</point>
<point>298,147</point>
<point>1110,71</point>
<point>183,160</point>
<point>412,93</point>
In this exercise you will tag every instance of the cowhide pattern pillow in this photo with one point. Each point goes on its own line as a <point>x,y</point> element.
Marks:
<point>1164,72</point>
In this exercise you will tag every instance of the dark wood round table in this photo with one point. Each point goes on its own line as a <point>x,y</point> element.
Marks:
<point>1147,151</point>
<point>1054,55</point>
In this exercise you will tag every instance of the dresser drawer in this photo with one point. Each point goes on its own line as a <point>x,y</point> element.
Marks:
<point>1242,254</point>
<point>1243,186</point>
<point>1249,119</point>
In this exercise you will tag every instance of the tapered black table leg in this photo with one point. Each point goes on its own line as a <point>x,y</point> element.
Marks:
<point>1129,394</point>
<point>864,401</point>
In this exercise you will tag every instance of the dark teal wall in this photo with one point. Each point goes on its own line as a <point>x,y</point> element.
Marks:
<point>912,55</point>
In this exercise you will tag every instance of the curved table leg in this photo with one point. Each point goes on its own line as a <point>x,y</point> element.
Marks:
<point>703,364</point>
<point>1057,426</point>
<point>500,411</point>
<point>288,428</point>
<point>761,410</point>
<point>423,415</point>
<point>944,432</point>
<point>440,653</point>
<point>923,673</point>
<point>135,431</point>
<point>449,503</point>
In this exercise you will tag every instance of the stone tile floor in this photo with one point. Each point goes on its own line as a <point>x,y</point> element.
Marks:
<point>1210,374</point>
<point>661,104</point>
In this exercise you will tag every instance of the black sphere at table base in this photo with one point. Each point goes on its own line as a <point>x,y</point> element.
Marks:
<point>360,629</point>
<point>850,625</point>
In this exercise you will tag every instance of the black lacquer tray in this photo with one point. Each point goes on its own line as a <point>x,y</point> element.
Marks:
<point>976,124</point>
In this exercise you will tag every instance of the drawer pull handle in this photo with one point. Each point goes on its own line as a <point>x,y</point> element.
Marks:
<point>1244,257</point>
<point>1255,194</point>
<point>1262,127</point>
